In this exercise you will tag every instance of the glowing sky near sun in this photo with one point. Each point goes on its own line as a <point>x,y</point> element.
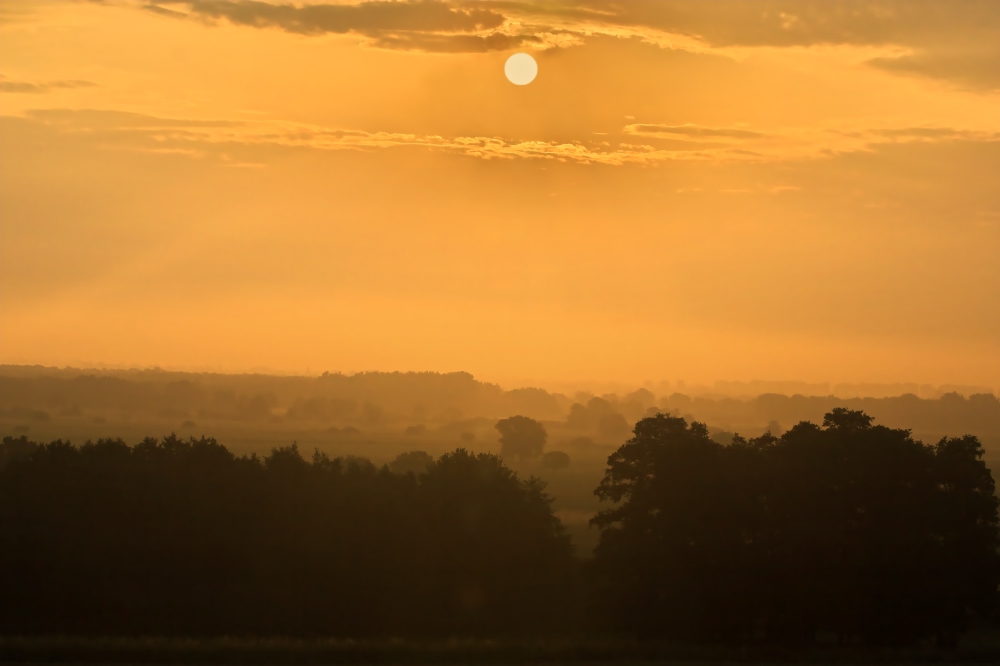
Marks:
<point>702,190</point>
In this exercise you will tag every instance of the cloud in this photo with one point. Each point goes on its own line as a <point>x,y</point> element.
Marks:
<point>366,18</point>
<point>17,11</point>
<point>691,131</point>
<point>920,133</point>
<point>945,39</point>
<point>932,134</point>
<point>976,69</point>
<point>805,22</point>
<point>107,119</point>
<point>434,43</point>
<point>9,86</point>
<point>424,25</point>
<point>163,11</point>
<point>207,138</point>
<point>951,40</point>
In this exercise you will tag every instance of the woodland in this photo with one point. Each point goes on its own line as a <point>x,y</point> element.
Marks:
<point>844,532</point>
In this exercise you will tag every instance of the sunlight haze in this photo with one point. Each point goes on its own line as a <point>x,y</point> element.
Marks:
<point>689,190</point>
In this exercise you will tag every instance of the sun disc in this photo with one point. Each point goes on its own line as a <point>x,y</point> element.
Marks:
<point>521,69</point>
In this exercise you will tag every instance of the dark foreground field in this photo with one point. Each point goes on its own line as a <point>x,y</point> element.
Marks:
<point>977,648</point>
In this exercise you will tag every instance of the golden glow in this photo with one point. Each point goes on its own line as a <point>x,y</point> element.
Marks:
<point>686,192</point>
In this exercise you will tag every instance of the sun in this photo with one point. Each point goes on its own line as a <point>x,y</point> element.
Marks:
<point>521,69</point>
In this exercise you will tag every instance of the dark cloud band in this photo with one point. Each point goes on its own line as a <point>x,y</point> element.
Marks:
<point>948,39</point>
<point>368,18</point>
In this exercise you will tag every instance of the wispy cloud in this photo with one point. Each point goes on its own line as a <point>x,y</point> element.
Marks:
<point>691,131</point>
<point>932,134</point>
<point>10,86</point>
<point>434,43</point>
<point>205,137</point>
<point>970,66</point>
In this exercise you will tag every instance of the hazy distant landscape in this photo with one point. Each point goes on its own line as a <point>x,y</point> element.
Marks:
<point>378,416</point>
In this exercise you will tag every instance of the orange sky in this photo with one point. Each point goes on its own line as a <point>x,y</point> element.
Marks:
<point>741,189</point>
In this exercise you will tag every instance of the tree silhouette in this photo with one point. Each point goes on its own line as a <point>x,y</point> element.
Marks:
<point>521,438</point>
<point>411,462</point>
<point>175,537</point>
<point>848,529</point>
<point>556,460</point>
<point>852,529</point>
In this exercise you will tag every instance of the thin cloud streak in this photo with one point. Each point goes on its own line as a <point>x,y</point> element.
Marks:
<point>202,138</point>
<point>692,131</point>
<point>9,86</point>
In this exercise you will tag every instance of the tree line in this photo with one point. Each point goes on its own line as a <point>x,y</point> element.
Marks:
<point>845,530</point>
<point>31,396</point>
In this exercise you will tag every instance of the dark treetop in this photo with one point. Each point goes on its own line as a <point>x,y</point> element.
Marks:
<point>849,529</point>
<point>181,537</point>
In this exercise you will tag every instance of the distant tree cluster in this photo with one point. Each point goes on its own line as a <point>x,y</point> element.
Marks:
<point>523,440</point>
<point>85,403</point>
<point>177,537</point>
<point>363,399</point>
<point>852,530</point>
<point>978,413</point>
<point>599,416</point>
